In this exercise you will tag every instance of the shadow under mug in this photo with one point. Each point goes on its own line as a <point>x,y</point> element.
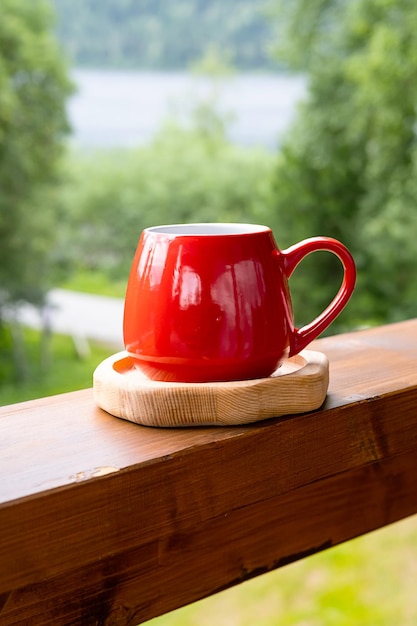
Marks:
<point>210,302</point>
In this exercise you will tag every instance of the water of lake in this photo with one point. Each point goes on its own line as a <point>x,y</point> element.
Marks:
<point>123,109</point>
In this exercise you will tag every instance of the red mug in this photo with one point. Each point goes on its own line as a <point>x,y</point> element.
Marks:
<point>210,302</point>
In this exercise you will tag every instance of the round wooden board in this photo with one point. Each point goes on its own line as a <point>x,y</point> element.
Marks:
<point>299,385</point>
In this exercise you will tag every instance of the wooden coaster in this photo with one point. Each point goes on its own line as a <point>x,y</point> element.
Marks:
<point>298,386</point>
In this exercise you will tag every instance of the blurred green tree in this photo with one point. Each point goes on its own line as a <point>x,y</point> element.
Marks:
<point>348,167</point>
<point>184,175</point>
<point>156,34</point>
<point>188,172</point>
<point>33,89</point>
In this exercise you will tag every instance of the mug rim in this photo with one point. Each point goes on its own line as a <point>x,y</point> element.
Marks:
<point>207,229</point>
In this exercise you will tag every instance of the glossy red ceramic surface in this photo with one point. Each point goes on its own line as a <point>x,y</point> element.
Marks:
<point>211,302</point>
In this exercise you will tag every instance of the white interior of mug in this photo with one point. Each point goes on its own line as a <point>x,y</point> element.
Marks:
<point>208,229</point>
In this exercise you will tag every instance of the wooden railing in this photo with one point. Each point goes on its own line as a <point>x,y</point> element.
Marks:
<point>103,522</point>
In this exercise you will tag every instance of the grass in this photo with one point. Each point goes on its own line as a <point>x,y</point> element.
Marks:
<point>66,371</point>
<point>369,581</point>
<point>95,282</point>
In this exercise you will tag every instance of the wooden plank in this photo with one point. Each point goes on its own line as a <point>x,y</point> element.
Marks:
<point>158,576</point>
<point>103,521</point>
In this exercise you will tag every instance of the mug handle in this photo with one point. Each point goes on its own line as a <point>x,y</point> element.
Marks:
<point>291,258</point>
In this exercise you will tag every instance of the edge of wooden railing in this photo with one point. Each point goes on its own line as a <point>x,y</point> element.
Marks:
<point>104,522</point>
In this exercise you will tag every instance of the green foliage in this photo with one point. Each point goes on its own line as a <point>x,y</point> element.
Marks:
<point>183,176</point>
<point>163,35</point>
<point>307,29</point>
<point>348,168</point>
<point>33,87</point>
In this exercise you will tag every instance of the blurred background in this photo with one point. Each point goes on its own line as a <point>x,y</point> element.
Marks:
<point>120,114</point>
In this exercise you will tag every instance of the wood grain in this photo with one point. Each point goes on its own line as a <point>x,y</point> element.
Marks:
<point>105,522</point>
<point>299,385</point>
